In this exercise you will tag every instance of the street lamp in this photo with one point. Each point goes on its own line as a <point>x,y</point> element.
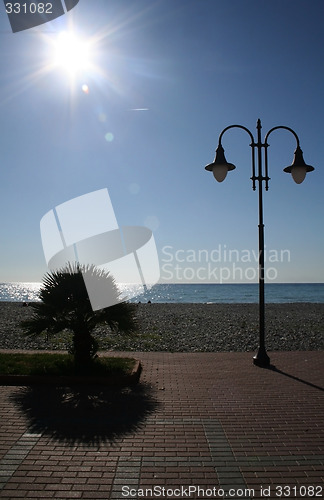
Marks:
<point>298,170</point>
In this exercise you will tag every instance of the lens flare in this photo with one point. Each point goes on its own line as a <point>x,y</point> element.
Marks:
<point>134,188</point>
<point>109,137</point>
<point>152,222</point>
<point>102,117</point>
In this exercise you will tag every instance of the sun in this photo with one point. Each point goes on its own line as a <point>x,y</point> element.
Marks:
<point>71,53</point>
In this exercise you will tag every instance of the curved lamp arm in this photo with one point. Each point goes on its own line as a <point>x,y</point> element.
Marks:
<point>285,128</point>
<point>236,126</point>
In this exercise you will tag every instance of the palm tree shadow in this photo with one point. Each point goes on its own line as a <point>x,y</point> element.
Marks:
<point>310,384</point>
<point>85,414</point>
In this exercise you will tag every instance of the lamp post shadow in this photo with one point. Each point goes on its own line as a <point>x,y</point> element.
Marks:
<point>293,377</point>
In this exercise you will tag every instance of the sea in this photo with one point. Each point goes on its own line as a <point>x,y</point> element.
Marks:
<point>278,293</point>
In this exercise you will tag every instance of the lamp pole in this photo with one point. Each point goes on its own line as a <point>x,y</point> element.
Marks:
<point>298,169</point>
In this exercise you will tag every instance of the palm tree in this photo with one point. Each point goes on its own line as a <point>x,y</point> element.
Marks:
<point>65,305</point>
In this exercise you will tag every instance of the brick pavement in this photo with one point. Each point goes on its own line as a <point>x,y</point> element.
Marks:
<point>209,422</point>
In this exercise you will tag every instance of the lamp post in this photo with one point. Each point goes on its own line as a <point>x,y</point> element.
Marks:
<point>298,170</point>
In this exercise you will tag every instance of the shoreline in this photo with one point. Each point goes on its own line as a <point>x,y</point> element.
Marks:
<point>189,327</point>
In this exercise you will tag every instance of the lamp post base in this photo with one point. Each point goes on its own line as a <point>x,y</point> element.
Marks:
<point>261,358</point>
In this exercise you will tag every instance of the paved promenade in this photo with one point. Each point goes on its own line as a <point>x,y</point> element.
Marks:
<point>199,425</point>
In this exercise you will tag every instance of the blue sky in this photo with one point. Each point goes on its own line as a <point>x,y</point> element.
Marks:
<point>168,76</point>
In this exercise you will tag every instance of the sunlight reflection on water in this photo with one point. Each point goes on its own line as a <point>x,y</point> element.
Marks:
<point>19,292</point>
<point>189,293</point>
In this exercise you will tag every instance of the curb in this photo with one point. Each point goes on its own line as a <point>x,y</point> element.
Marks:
<point>114,380</point>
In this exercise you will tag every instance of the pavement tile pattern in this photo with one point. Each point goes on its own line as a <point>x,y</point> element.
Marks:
<point>198,425</point>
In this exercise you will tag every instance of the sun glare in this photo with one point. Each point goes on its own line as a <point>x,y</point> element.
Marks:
<point>71,53</point>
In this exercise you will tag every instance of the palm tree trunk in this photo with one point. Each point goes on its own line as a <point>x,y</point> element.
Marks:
<point>82,349</point>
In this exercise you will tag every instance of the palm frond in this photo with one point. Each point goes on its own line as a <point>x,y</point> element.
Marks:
<point>65,305</point>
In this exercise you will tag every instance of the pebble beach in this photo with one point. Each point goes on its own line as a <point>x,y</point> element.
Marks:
<point>188,328</point>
